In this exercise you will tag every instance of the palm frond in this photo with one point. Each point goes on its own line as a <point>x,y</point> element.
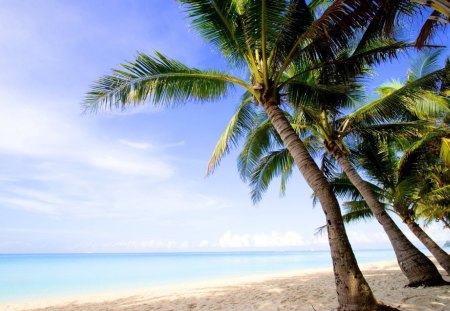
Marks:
<point>439,196</point>
<point>405,102</point>
<point>392,130</point>
<point>270,166</point>
<point>259,141</point>
<point>424,64</point>
<point>344,189</point>
<point>320,230</point>
<point>329,167</point>
<point>378,159</point>
<point>218,22</point>
<point>406,191</point>
<point>428,29</point>
<point>326,96</point>
<point>445,150</point>
<point>330,33</point>
<point>298,18</point>
<point>355,211</point>
<point>160,79</point>
<point>386,19</point>
<point>375,52</point>
<point>237,127</point>
<point>434,206</point>
<point>286,174</point>
<point>410,162</point>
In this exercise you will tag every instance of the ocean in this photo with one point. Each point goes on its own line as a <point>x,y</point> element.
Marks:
<point>34,276</point>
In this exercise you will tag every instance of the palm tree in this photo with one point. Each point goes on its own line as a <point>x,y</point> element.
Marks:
<point>326,125</point>
<point>268,38</point>
<point>416,266</point>
<point>410,185</point>
<point>397,178</point>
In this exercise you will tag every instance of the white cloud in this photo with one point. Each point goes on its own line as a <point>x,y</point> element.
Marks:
<point>360,238</point>
<point>273,239</point>
<point>437,233</point>
<point>133,144</point>
<point>155,168</point>
<point>38,131</point>
<point>74,168</point>
<point>203,243</point>
<point>290,239</point>
<point>172,145</point>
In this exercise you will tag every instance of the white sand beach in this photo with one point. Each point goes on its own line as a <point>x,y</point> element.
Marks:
<point>306,290</point>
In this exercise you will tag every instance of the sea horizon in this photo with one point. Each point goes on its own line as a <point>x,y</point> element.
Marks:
<point>27,277</point>
<point>194,251</point>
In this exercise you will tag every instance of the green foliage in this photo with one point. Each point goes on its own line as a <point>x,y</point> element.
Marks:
<point>159,78</point>
<point>404,103</point>
<point>356,211</point>
<point>424,64</point>
<point>269,166</point>
<point>238,126</point>
<point>445,150</point>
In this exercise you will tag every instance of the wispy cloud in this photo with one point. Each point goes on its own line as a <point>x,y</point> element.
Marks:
<point>155,168</point>
<point>137,145</point>
<point>290,239</point>
<point>73,168</point>
<point>272,239</point>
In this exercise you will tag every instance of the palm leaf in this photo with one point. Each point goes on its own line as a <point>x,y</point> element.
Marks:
<point>424,64</point>
<point>409,161</point>
<point>428,29</point>
<point>406,191</point>
<point>161,79</point>
<point>326,96</point>
<point>330,33</point>
<point>298,18</point>
<point>404,101</point>
<point>393,130</point>
<point>270,166</point>
<point>218,22</point>
<point>356,211</point>
<point>259,141</point>
<point>445,150</point>
<point>238,126</point>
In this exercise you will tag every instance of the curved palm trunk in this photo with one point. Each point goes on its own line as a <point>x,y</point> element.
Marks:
<point>441,256</point>
<point>352,289</point>
<point>417,267</point>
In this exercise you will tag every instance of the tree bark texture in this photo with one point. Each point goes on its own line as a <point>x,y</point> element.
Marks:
<point>352,289</point>
<point>442,257</point>
<point>417,267</point>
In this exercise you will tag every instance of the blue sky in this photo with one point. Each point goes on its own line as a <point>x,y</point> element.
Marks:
<point>129,181</point>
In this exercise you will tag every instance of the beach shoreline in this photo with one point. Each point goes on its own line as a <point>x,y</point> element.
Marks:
<point>306,289</point>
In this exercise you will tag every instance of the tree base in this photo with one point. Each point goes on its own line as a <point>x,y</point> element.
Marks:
<point>379,307</point>
<point>437,281</point>
<point>383,307</point>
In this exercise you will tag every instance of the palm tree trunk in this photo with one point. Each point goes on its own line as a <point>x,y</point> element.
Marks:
<point>352,289</point>
<point>417,267</point>
<point>441,256</point>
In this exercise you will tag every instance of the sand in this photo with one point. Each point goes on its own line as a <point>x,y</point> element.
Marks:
<point>307,290</point>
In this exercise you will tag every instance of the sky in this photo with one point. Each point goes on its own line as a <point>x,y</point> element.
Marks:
<point>133,180</point>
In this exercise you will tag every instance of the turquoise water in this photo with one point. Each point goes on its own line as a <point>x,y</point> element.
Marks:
<point>27,277</point>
